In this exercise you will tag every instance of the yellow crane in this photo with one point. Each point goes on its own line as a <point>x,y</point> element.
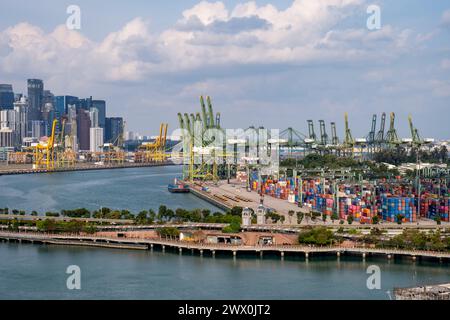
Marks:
<point>154,151</point>
<point>44,152</point>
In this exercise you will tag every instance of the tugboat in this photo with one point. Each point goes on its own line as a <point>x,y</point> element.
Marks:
<point>178,187</point>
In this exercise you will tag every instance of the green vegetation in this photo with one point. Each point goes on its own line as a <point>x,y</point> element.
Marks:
<point>368,169</point>
<point>400,155</point>
<point>233,227</point>
<point>73,226</point>
<point>417,240</point>
<point>318,236</point>
<point>168,232</point>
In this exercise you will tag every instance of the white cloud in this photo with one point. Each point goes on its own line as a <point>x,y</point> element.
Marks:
<point>445,20</point>
<point>445,64</point>
<point>207,35</point>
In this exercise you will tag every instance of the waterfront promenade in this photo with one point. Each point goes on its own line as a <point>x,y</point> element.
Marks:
<point>212,249</point>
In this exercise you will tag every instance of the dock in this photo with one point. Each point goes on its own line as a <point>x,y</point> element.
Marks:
<point>227,196</point>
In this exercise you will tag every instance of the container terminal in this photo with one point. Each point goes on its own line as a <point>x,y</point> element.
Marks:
<point>231,174</point>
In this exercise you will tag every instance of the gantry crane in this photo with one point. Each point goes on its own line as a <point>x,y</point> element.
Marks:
<point>154,151</point>
<point>414,133</point>
<point>380,139</point>
<point>370,139</point>
<point>323,133</point>
<point>349,142</point>
<point>65,156</point>
<point>391,135</point>
<point>44,151</point>
<point>198,143</point>
<point>312,133</point>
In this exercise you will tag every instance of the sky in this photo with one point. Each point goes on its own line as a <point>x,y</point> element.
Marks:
<point>264,63</point>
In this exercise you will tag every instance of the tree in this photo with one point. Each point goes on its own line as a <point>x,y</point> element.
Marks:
<point>334,217</point>
<point>400,218</point>
<point>324,217</point>
<point>236,211</point>
<point>438,219</point>
<point>350,219</point>
<point>233,227</point>
<point>375,219</point>
<point>169,232</point>
<point>300,216</point>
<point>141,218</point>
<point>317,236</point>
<point>162,213</point>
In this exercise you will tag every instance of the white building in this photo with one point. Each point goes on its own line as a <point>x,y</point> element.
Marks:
<point>21,109</point>
<point>8,119</point>
<point>93,115</point>
<point>38,128</point>
<point>6,137</point>
<point>96,139</point>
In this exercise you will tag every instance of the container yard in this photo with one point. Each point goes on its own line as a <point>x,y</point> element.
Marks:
<point>362,201</point>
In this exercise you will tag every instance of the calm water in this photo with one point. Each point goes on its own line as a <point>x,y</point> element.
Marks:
<point>38,272</point>
<point>133,189</point>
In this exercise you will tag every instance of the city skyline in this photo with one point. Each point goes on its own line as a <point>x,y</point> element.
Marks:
<point>287,61</point>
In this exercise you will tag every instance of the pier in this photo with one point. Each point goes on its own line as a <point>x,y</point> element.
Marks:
<point>213,249</point>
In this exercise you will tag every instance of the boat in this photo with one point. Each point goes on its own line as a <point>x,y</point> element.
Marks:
<point>178,187</point>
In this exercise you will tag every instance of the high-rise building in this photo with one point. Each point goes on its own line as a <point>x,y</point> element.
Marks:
<point>93,114</point>
<point>38,128</point>
<point>35,99</point>
<point>6,137</point>
<point>86,103</point>
<point>21,109</point>
<point>96,139</point>
<point>114,129</point>
<point>6,97</point>
<point>83,126</point>
<point>8,119</point>
<point>100,105</point>
<point>62,104</point>
<point>48,97</point>
<point>48,115</point>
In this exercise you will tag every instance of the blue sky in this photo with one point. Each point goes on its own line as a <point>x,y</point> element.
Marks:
<point>271,63</point>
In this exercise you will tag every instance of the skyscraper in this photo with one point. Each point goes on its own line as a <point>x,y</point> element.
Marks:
<point>6,97</point>
<point>35,98</point>
<point>62,104</point>
<point>38,128</point>
<point>114,129</point>
<point>83,129</point>
<point>93,114</point>
<point>21,109</point>
<point>100,105</point>
<point>96,139</point>
<point>86,103</point>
